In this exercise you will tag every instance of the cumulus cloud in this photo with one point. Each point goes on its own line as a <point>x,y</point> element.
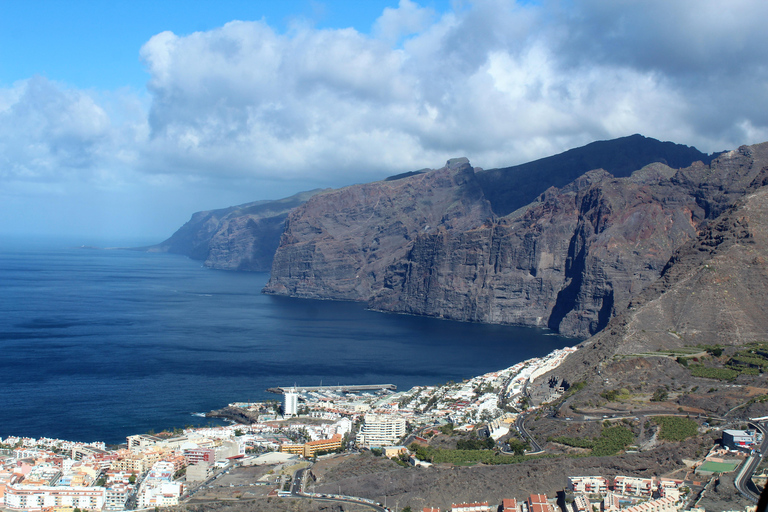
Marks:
<point>495,80</point>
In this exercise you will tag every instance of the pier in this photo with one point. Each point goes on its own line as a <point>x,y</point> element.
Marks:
<point>338,388</point>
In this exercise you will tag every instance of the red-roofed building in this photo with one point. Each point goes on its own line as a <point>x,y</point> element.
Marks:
<point>509,505</point>
<point>539,503</point>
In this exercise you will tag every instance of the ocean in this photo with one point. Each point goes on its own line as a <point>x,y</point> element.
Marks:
<point>97,344</point>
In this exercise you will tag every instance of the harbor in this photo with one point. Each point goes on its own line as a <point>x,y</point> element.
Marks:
<point>281,390</point>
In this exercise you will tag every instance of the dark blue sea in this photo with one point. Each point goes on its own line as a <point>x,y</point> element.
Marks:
<point>101,344</point>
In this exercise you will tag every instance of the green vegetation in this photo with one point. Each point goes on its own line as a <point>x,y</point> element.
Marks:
<point>463,457</point>
<point>576,442</point>
<point>518,446</point>
<point>674,428</point>
<point>615,395</point>
<point>660,395</point>
<point>611,441</point>
<point>447,429</point>
<point>699,370</point>
<point>578,386</point>
<point>475,444</point>
<point>752,359</point>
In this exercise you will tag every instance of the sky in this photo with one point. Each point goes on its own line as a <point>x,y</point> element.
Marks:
<point>119,119</point>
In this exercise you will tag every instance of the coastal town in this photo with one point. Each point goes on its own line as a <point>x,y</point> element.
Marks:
<point>274,453</point>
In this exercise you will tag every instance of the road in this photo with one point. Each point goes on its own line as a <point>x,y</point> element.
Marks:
<point>520,425</point>
<point>743,480</point>
<point>297,491</point>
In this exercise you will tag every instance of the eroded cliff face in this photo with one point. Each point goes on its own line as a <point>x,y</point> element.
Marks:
<point>339,245</point>
<point>430,244</point>
<point>243,237</point>
<point>566,262</point>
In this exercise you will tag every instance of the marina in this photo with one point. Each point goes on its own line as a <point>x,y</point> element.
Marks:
<point>338,388</point>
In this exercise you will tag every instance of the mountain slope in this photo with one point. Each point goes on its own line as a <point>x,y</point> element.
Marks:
<point>712,292</point>
<point>511,188</point>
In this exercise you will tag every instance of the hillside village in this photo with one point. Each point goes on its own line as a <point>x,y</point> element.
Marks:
<point>421,428</point>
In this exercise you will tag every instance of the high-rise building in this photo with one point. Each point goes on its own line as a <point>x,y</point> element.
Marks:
<point>381,430</point>
<point>291,403</point>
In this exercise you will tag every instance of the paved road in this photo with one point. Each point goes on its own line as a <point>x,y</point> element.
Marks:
<point>297,491</point>
<point>520,424</point>
<point>743,480</point>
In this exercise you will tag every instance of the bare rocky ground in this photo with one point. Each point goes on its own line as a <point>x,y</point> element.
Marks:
<point>442,485</point>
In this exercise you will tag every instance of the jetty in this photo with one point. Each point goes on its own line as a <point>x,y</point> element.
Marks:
<point>280,390</point>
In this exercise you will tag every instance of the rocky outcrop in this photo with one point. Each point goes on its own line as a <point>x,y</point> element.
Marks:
<point>430,244</point>
<point>241,237</point>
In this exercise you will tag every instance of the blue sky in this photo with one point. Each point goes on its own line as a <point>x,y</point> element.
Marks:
<point>95,43</point>
<point>121,119</point>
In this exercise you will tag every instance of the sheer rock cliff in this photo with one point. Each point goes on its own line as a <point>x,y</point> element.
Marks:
<point>430,244</point>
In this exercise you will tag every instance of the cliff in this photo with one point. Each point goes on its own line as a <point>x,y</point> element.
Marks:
<point>241,237</point>
<point>339,245</point>
<point>431,244</point>
<point>711,292</point>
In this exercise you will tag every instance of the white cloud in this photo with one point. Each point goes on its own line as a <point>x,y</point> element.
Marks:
<point>494,80</point>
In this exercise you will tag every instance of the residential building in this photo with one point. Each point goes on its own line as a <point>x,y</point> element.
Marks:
<point>381,430</point>
<point>197,455</point>
<point>322,445</point>
<point>539,503</point>
<point>471,507</point>
<point>633,486</point>
<point>34,497</point>
<point>660,505</point>
<point>199,472</point>
<point>290,403</point>
<point>588,484</point>
<point>509,505</point>
<point>116,496</point>
<point>581,504</point>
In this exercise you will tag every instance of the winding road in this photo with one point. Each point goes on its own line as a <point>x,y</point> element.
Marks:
<point>743,480</point>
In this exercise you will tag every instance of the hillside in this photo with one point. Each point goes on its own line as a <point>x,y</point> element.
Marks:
<point>712,293</point>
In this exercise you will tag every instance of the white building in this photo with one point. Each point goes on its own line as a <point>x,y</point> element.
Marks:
<point>34,497</point>
<point>632,486</point>
<point>159,493</point>
<point>381,430</point>
<point>588,484</point>
<point>290,403</point>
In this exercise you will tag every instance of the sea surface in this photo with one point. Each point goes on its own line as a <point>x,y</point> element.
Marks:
<point>97,344</point>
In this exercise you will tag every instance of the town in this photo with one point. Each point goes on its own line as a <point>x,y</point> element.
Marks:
<point>272,455</point>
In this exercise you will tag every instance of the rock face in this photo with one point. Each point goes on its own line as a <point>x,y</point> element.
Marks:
<point>339,245</point>
<point>430,244</point>
<point>241,237</point>
<point>711,292</point>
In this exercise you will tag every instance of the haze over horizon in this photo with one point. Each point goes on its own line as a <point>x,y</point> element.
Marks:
<point>122,119</point>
